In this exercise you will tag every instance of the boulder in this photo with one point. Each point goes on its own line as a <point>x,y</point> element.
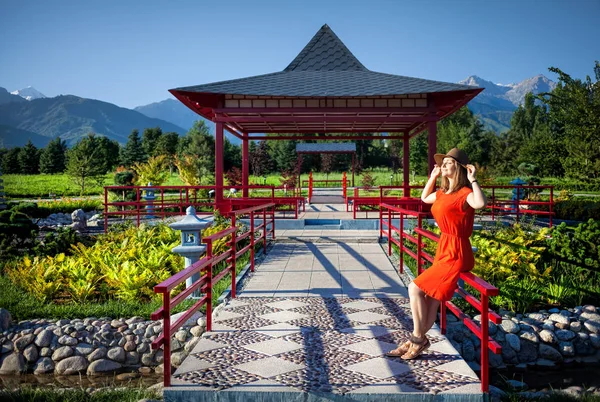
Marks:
<point>71,365</point>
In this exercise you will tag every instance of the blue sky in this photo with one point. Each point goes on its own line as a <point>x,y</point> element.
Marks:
<point>131,52</point>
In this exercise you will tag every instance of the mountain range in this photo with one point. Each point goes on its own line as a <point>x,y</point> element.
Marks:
<point>28,114</point>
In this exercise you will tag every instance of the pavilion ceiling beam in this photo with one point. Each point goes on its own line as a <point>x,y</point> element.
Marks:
<point>322,110</point>
<point>323,119</point>
<point>332,137</point>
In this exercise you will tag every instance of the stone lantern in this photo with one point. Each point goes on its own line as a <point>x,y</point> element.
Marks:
<point>150,197</point>
<point>191,234</point>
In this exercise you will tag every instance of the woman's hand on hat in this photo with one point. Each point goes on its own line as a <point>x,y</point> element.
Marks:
<point>471,172</point>
<point>436,171</point>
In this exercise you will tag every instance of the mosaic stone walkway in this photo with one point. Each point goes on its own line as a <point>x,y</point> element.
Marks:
<point>319,347</point>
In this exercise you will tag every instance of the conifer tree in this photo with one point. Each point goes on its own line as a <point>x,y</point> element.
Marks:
<point>10,161</point>
<point>29,159</point>
<point>85,162</point>
<point>133,151</point>
<point>52,158</point>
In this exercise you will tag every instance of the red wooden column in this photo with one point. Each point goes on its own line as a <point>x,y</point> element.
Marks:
<point>432,132</point>
<point>245,166</point>
<point>405,165</point>
<point>219,167</point>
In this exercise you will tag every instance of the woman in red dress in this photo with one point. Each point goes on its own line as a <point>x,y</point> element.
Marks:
<point>453,208</point>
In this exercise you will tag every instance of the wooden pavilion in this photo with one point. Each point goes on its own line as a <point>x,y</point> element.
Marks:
<point>325,89</point>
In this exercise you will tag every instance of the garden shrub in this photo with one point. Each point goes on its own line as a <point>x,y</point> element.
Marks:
<point>577,209</point>
<point>17,233</point>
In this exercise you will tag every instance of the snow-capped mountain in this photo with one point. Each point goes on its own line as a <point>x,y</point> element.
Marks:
<point>497,103</point>
<point>29,93</point>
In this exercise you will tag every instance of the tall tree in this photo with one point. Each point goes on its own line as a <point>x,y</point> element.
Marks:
<point>283,153</point>
<point>260,161</point>
<point>167,146</point>
<point>10,162</point>
<point>150,138</point>
<point>133,151</point>
<point>418,154</point>
<point>232,155</point>
<point>327,163</point>
<point>110,151</point>
<point>85,162</point>
<point>53,156</point>
<point>200,145</point>
<point>575,110</point>
<point>29,159</point>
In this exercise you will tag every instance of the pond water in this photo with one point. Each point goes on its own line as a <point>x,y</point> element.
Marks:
<point>74,381</point>
<point>579,375</point>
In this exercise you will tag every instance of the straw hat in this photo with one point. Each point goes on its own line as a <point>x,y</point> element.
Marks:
<point>457,154</point>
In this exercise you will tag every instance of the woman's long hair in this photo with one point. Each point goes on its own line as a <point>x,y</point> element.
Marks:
<point>460,179</point>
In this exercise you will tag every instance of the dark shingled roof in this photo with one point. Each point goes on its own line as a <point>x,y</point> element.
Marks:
<point>326,68</point>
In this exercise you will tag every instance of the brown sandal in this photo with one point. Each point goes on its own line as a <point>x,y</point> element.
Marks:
<point>416,349</point>
<point>400,350</point>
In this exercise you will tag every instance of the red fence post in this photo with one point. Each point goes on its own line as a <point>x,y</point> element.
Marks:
<point>389,231</point>
<point>167,338</point>
<point>401,249</point>
<point>105,209</point>
<point>551,204</point>
<point>209,255</point>
<point>233,255</point>
<point>265,230</point>
<point>419,246</point>
<point>252,241</point>
<point>485,381</point>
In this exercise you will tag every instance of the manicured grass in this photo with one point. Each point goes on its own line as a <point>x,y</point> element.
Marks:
<point>77,395</point>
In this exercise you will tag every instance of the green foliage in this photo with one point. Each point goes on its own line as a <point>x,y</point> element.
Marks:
<point>153,171</point>
<point>121,264</point>
<point>60,241</point>
<point>29,159</point>
<point>53,157</point>
<point>26,394</point>
<point>86,162</point>
<point>580,247</point>
<point>367,181</point>
<point>133,151</point>
<point>196,154</point>
<point>577,209</point>
<point>10,161</point>
<point>150,138</point>
<point>17,233</point>
<point>260,161</point>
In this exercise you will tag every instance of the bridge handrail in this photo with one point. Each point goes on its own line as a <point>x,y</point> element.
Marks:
<point>207,281</point>
<point>485,289</point>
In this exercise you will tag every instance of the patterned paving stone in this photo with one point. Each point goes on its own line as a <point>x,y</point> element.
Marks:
<point>367,317</point>
<point>287,305</point>
<point>248,322</point>
<point>432,380</point>
<point>217,378</point>
<point>273,347</point>
<point>229,356</point>
<point>283,316</point>
<point>371,347</point>
<point>361,305</point>
<point>379,367</point>
<point>279,329</point>
<point>269,367</point>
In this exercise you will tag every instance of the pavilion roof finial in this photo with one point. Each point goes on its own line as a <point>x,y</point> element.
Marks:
<point>325,52</point>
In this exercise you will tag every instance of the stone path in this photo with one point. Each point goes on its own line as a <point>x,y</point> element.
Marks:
<point>313,323</point>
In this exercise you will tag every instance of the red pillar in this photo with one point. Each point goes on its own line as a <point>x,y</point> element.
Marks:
<point>219,167</point>
<point>432,129</point>
<point>405,164</point>
<point>245,166</point>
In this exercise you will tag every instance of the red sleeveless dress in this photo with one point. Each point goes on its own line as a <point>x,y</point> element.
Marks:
<point>454,253</point>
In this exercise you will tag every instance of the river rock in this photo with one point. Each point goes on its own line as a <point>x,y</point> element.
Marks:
<point>117,354</point>
<point>84,349</point>
<point>566,348</point>
<point>514,342</point>
<point>98,353</point>
<point>31,353</point>
<point>22,342</point>
<point>7,347</point>
<point>67,340</point>
<point>528,352</point>
<point>548,352</point>
<point>564,335</point>
<point>71,365</point>
<point>591,316</point>
<point>62,353</point>
<point>592,326</point>
<point>44,365</point>
<point>178,357</point>
<point>11,364</point>
<point>529,336</point>
<point>575,326</point>
<point>44,338</point>
<point>102,366</point>
<point>510,327</point>
<point>548,336</point>
<point>595,340</point>
<point>559,318</point>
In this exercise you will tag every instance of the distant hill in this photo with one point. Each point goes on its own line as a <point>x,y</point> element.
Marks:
<point>11,137</point>
<point>7,97</point>
<point>71,118</point>
<point>496,105</point>
<point>175,112</point>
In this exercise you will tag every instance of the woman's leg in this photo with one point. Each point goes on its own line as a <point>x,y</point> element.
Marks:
<point>419,307</point>
<point>432,310</point>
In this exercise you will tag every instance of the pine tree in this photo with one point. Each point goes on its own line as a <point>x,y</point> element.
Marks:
<point>29,159</point>
<point>150,139</point>
<point>260,161</point>
<point>52,158</point>
<point>133,151</point>
<point>10,162</point>
<point>85,162</point>
<point>199,144</point>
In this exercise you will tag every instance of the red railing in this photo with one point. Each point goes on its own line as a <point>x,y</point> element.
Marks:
<point>372,202</point>
<point>485,289</point>
<point>310,187</point>
<point>345,187</point>
<point>173,200</point>
<point>519,207</point>
<point>205,284</point>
